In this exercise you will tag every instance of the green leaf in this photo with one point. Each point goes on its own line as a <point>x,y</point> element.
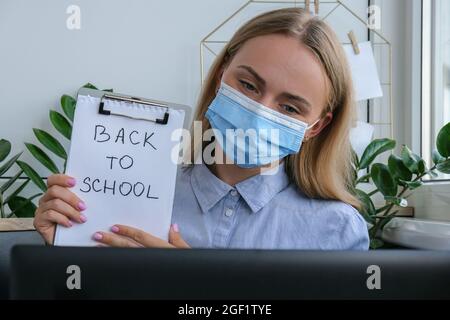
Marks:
<point>410,160</point>
<point>401,202</point>
<point>9,164</point>
<point>42,157</point>
<point>22,207</point>
<point>376,243</point>
<point>368,209</point>
<point>383,179</point>
<point>68,105</point>
<point>10,181</point>
<point>433,174</point>
<point>364,179</point>
<point>17,191</point>
<point>437,158</point>
<point>108,90</point>
<point>50,143</point>
<point>398,169</point>
<point>382,209</point>
<point>90,86</point>
<point>421,166</point>
<point>444,167</point>
<point>5,149</point>
<point>443,141</point>
<point>374,149</point>
<point>29,171</point>
<point>412,184</point>
<point>61,124</point>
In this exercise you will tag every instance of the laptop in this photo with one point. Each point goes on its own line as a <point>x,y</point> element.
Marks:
<point>40,272</point>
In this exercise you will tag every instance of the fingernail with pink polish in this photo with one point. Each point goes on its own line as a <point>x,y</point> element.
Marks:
<point>83,218</point>
<point>115,229</point>
<point>81,206</point>
<point>98,236</point>
<point>70,223</point>
<point>175,227</point>
<point>71,182</point>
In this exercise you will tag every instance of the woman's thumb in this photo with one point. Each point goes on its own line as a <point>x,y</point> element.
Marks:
<point>175,237</point>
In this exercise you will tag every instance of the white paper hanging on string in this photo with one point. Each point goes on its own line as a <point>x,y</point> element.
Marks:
<point>123,167</point>
<point>364,70</point>
<point>361,136</point>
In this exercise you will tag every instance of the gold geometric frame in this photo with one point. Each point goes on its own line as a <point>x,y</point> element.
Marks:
<point>338,3</point>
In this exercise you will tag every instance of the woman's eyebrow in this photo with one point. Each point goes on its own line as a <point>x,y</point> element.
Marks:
<point>286,95</point>
<point>258,78</point>
<point>299,99</point>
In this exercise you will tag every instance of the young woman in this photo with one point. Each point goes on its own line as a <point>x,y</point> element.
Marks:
<point>284,70</point>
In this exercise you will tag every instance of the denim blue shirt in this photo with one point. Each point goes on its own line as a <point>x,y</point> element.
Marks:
<point>261,212</point>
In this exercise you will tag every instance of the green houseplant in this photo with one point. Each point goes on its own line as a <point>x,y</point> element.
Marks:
<point>395,180</point>
<point>12,204</point>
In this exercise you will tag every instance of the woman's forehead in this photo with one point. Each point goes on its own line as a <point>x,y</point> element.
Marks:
<point>285,63</point>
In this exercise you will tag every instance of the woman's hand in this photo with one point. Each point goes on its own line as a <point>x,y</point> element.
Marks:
<point>58,206</point>
<point>124,236</point>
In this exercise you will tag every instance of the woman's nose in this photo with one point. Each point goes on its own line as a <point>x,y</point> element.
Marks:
<point>267,101</point>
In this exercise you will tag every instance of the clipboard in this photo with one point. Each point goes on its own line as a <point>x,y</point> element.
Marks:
<point>105,95</point>
<point>111,127</point>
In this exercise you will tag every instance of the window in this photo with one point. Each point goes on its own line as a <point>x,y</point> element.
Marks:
<point>435,73</point>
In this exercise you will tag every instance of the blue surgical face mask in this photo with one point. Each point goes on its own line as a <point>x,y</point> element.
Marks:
<point>251,134</point>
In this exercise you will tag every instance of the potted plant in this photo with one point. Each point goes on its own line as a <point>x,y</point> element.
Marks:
<point>19,209</point>
<point>396,180</point>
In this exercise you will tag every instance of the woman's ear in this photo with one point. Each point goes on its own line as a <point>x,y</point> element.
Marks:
<point>319,126</point>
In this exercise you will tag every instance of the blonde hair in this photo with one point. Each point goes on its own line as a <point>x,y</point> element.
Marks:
<point>322,168</point>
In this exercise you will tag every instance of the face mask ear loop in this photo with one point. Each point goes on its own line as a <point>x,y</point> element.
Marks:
<point>311,126</point>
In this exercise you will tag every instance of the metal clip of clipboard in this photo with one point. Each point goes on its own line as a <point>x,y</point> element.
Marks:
<point>102,110</point>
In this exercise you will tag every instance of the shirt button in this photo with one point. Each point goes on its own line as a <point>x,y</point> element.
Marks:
<point>234,193</point>
<point>228,212</point>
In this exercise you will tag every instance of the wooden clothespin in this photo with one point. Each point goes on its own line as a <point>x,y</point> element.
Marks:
<point>354,41</point>
<point>307,5</point>
<point>316,6</point>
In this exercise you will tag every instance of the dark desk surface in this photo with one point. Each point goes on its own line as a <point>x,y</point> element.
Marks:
<point>11,238</point>
<point>7,240</point>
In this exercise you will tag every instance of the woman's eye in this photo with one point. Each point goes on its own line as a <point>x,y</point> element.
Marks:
<point>289,109</point>
<point>247,85</point>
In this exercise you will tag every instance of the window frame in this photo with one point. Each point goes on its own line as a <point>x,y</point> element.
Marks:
<point>422,82</point>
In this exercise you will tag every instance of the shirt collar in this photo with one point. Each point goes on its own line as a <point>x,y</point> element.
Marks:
<point>257,191</point>
<point>207,187</point>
